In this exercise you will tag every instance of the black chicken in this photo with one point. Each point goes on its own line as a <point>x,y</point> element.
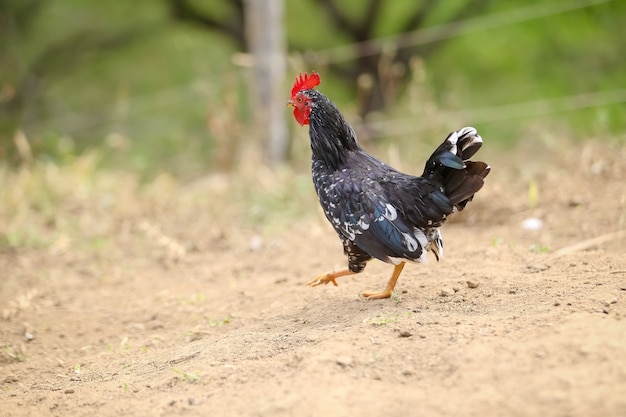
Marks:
<point>377,211</point>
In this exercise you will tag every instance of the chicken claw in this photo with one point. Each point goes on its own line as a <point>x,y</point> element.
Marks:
<point>377,295</point>
<point>329,277</point>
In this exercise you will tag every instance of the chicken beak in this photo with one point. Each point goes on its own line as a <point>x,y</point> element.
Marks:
<point>290,104</point>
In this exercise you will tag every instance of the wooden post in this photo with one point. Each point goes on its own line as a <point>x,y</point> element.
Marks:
<point>266,38</point>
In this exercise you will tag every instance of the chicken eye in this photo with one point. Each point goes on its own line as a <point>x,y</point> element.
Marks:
<point>299,99</point>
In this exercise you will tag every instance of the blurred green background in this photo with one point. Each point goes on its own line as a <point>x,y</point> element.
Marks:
<point>159,85</point>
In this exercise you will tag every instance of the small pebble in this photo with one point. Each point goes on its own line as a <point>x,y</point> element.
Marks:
<point>532,223</point>
<point>405,333</point>
<point>10,379</point>
<point>472,284</point>
<point>156,324</point>
<point>446,292</point>
<point>344,361</point>
<point>256,243</point>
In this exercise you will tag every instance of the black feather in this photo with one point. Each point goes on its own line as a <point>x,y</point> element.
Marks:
<point>376,210</point>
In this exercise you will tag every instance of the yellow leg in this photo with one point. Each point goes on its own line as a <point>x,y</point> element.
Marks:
<point>397,270</point>
<point>329,277</point>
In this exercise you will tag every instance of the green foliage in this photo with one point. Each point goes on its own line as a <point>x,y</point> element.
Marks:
<point>185,376</point>
<point>537,248</point>
<point>11,354</point>
<point>219,322</point>
<point>533,194</point>
<point>564,54</point>
<point>387,318</point>
<point>148,90</point>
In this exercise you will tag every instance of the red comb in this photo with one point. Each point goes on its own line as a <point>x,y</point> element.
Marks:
<point>305,82</point>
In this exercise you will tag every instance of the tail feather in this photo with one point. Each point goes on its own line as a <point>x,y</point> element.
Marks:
<point>450,166</point>
<point>469,141</point>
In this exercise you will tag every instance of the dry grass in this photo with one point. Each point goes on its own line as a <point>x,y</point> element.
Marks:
<point>78,205</point>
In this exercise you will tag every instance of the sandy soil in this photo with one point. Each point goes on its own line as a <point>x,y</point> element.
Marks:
<point>180,316</point>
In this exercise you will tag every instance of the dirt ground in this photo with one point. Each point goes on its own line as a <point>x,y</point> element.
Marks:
<point>175,313</point>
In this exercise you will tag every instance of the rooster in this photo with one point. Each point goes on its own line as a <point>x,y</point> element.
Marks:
<point>378,211</point>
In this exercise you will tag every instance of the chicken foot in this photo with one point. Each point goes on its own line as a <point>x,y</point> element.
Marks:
<point>329,277</point>
<point>386,293</point>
